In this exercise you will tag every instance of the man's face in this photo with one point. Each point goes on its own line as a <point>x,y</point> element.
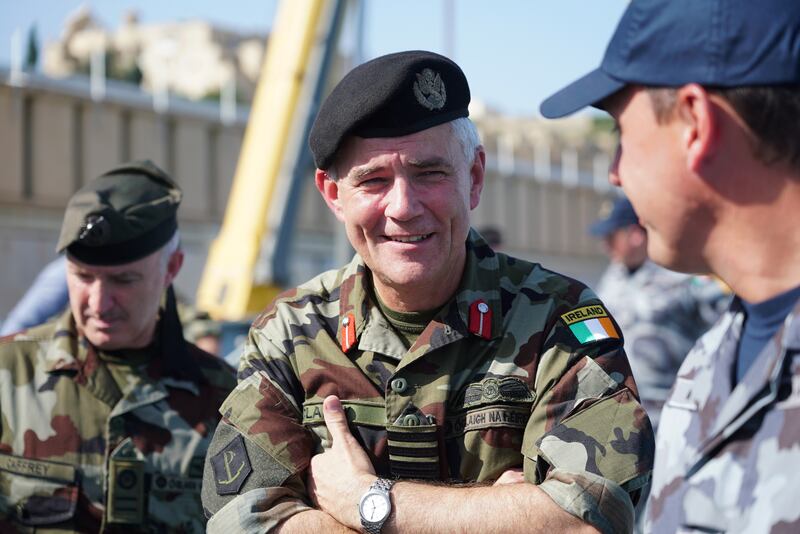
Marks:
<point>650,166</point>
<point>116,307</point>
<point>627,246</point>
<point>405,203</point>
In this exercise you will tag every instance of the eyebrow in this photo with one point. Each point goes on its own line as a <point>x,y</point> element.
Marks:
<point>123,274</point>
<point>430,162</point>
<point>126,274</point>
<point>364,171</point>
<point>417,164</point>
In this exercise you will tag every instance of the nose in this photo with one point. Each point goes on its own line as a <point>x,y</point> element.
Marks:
<point>100,299</point>
<point>402,201</point>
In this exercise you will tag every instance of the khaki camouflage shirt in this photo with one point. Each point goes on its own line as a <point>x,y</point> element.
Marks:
<point>522,368</point>
<point>88,446</point>
<point>728,456</point>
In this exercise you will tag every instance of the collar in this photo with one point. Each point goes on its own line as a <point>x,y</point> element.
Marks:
<point>70,351</point>
<point>757,389</point>
<point>475,309</point>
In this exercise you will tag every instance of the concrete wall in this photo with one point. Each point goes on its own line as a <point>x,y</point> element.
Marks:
<point>54,138</point>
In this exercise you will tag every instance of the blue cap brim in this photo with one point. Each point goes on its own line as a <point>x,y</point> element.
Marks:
<point>586,91</point>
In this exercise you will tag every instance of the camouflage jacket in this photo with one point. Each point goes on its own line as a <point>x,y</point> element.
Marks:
<point>498,379</point>
<point>80,453</point>
<point>728,456</point>
<point>662,314</point>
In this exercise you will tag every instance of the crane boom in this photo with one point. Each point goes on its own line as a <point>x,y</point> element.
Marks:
<point>288,91</point>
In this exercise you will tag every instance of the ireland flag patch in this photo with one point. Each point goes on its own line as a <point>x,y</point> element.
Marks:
<point>590,323</point>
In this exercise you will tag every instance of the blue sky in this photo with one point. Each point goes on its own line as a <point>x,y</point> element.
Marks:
<point>514,52</point>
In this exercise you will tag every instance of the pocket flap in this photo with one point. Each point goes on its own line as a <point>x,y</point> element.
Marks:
<point>37,492</point>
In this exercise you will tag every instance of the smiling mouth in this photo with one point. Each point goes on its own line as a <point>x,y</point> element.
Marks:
<point>102,323</point>
<point>409,238</point>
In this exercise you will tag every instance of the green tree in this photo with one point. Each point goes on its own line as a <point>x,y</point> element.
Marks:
<point>32,52</point>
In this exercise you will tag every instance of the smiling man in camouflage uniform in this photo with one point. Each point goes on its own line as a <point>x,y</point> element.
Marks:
<point>706,96</point>
<point>106,411</point>
<point>432,384</point>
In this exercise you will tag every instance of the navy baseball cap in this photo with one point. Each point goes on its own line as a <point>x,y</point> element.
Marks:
<point>669,43</point>
<point>621,215</point>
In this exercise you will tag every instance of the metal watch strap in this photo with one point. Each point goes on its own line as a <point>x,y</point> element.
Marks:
<point>383,484</point>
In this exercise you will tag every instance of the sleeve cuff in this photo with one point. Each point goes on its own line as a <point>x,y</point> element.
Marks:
<point>257,511</point>
<point>594,499</point>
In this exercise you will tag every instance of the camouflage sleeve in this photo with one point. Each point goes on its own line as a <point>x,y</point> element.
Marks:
<point>589,443</point>
<point>253,473</point>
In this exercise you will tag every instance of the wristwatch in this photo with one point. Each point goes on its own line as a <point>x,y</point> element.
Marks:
<point>375,506</point>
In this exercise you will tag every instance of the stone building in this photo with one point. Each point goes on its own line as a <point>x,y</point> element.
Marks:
<point>192,59</point>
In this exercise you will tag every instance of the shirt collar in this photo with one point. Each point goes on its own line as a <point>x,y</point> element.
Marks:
<point>480,282</point>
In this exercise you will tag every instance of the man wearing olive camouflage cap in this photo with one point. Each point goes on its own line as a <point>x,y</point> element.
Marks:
<point>432,384</point>
<point>106,411</point>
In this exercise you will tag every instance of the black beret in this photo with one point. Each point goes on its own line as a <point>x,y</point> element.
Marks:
<point>390,96</point>
<point>121,216</point>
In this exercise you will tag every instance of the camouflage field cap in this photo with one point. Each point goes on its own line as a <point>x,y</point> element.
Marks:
<point>122,216</point>
<point>390,96</point>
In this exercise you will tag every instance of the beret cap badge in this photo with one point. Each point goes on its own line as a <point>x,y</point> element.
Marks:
<point>95,231</point>
<point>430,90</point>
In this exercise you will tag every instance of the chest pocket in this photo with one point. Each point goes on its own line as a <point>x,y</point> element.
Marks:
<point>405,448</point>
<point>484,434</point>
<point>37,492</point>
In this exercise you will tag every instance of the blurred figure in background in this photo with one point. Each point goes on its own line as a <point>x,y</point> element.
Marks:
<point>199,328</point>
<point>46,297</point>
<point>661,312</point>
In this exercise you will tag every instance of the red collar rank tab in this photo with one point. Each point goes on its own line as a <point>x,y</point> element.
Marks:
<point>348,334</point>
<point>480,319</point>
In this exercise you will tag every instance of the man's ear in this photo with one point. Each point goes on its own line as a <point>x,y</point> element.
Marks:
<point>477,172</point>
<point>329,189</point>
<point>173,266</point>
<point>699,120</point>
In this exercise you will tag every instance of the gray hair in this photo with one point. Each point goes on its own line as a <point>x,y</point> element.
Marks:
<point>463,129</point>
<point>466,133</point>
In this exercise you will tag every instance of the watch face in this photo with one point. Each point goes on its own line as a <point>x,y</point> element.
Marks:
<point>374,507</point>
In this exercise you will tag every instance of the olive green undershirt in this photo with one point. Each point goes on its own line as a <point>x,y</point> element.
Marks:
<point>409,325</point>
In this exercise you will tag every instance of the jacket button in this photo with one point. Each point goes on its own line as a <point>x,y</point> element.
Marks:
<point>411,420</point>
<point>399,385</point>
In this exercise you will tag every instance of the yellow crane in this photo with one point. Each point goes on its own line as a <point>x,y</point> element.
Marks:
<point>273,161</point>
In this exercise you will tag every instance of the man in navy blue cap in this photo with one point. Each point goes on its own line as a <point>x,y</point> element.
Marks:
<point>705,95</point>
